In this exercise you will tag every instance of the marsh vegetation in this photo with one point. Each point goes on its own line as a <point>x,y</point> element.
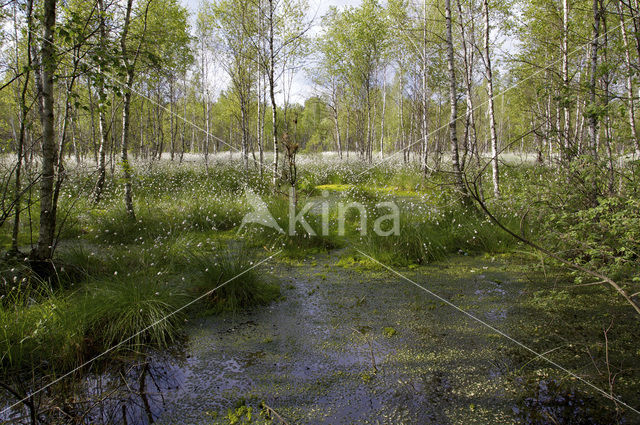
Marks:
<point>389,212</point>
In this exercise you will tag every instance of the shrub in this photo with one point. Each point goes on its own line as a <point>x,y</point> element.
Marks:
<point>605,237</point>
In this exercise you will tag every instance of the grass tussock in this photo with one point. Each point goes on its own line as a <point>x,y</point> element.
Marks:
<point>129,302</point>
<point>62,330</point>
<point>230,281</point>
<point>132,313</point>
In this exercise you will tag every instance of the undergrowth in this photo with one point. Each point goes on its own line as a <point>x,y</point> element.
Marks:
<point>118,280</point>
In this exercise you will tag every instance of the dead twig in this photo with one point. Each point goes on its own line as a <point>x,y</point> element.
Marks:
<point>610,378</point>
<point>373,358</point>
<point>272,412</point>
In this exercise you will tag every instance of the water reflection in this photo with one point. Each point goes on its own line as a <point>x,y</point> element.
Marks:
<point>130,392</point>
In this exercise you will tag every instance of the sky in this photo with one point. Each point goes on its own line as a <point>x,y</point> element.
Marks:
<point>320,5</point>
<point>301,87</point>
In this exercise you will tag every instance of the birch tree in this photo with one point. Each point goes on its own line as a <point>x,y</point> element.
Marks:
<point>285,25</point>
<point>235,23</point>
<point>129,60</point>
<point>44,247</point>
<point>453,104</point>
<point>492,116</point>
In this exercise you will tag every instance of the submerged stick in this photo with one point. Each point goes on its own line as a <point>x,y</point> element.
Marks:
<point>271,411</point>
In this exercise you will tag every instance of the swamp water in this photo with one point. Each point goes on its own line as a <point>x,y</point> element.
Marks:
<point>347,345</point>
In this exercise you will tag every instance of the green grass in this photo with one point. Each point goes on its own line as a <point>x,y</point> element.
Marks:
<point>43,336</point>
<point>119,276</point>
<point>429,236</point>
<point>63,330</point>
<point>296,245</point>
<point>167,215</point>
<point>230,281</point>
<point>384,190</point>
<point>124,302</point>
<point>134,312</point>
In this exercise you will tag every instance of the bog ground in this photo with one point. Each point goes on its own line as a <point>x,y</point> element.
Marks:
<point>187,316</point>
<point>319,211</point>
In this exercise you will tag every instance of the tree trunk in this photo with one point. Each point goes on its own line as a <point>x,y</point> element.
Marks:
<point>126,166</point>
<point>171,120</point>
<point>492,117</point>
<point>577,135</point>
<point>245,131</point>
<point>593,116</point>
<point>92,122</point>
<point>24,110</point>
<point>607,77</point>
<point>403,135</point>
<point>336,129</point>
<point>565,78</point>
<point>97,194</point>
<point>453,138</point>
<point>384,110</point>
<point>629,77</point>
<point>263,113</point>
<point>143,126</point>
<point>468,49</point>
<point>160,132</point>
<point>44,248</point>
<point>206,133</point>
<point>346,136</point>
<point>184,122</point>
<point>336,122</point>
<point>425,100</point>
<point>272,91</point>
<point>370,123</point>
<point>130,66</point>
<point>258,118</point>
<point>74,142</point>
